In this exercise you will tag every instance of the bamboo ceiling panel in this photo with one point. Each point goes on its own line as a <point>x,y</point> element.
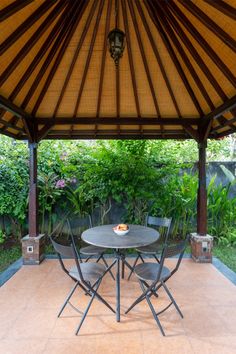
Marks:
<point>176,79</point>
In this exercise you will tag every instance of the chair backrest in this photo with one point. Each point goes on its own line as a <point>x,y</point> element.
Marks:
<point>173,251</point>
<point>68,252</point>
<point>163,225</point>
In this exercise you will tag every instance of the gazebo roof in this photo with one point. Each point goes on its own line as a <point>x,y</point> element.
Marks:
<point>176,78</point>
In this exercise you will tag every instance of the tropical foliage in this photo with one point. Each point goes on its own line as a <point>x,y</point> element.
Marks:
<point>136,177</point>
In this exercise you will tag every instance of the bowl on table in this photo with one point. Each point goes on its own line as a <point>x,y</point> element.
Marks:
<point>121,229</point>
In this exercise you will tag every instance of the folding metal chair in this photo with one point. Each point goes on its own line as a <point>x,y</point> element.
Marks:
<point>91,251</point>
<point>163,225</point>
<point>87,276</point>
<point>153,276</point>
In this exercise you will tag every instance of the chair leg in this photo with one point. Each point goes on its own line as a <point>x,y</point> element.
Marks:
<point>172,299</point>
<point>141,258</point>
<point>100,298</point>
<point>88,307</point>
<point>100,257</point>
<point>67,299</point>
<point>152,308</point>
<point>135,262</point>
<point>156,258</point>
<point>107,266</point>
<point>87,259</point>
<point>152,290</point>
<point>140,299</point>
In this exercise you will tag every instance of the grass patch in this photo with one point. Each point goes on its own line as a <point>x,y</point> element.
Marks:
<point>9,256</point>
<point>227,255</point>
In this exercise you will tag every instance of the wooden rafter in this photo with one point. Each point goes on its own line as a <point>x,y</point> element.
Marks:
<point>199,61</point>
<point>43,49</point>
<point>203,43</point>
<point>209,23</point>
<point>12,8</point>
<point>35,52</point>
<point>31,42</point>
<point>89,56</point>
<point>76,54</point>
<point>117,68</point>
<point>225,107</point>
<point>222,6</point>
<point>102,71</point>
<point>19,112</point>
<point>144,58</point>
<point>25,76</point>
<point>154,15</point>
<point>40,11</point>
<point>130,56</point>
<point>65,35</point>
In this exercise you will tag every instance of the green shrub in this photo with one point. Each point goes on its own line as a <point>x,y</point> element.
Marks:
<point>83,178</point>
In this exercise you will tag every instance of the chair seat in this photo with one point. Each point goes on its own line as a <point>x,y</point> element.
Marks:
<point>92,250</point>
<point>91,271</point>
<point>148,271</point>
<point>153,248</point>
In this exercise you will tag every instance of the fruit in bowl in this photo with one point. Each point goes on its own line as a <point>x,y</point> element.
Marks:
<point>121,229</point>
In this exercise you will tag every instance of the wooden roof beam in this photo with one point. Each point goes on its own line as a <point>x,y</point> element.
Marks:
<point>194,53</point>
<point>20,55</point>
<point>19,112</point>
<point>9,125</point>
<point>13,108</point>
<point>118,137</point>
<point>207,21</point>
<point>124,121</point>
<point>131,60</point>
<point>46,5</point>
<point>202,42</point>
<point>89,56</point>
<point>153,14</point>
<point>43,49</point>
<point>144,58</point>
<point>222,6</point>
<point>223,134</point>
<point>104,51</point>
<point>76,53</point>
<point>56,54</point>
<point>225,107</point>
<point>12,8</point>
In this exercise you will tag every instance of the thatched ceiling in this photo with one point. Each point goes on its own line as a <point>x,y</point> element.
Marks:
<point>176,78</point>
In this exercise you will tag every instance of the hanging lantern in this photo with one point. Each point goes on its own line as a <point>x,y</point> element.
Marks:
<point>116,42</point>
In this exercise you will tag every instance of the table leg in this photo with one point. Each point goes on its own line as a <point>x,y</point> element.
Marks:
<point>118,290</point>
<point>123,269</point>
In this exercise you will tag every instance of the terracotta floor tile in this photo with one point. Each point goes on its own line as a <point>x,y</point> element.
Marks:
<point>76,345</point>
<point>30,301</point>
<point>32,346</point>
<point>33,323</point>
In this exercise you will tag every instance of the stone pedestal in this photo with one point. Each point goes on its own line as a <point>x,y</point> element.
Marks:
<point>201,247</point>
<point>33,249</point>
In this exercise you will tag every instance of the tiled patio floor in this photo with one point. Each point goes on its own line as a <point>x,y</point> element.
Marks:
<point>30,300</point>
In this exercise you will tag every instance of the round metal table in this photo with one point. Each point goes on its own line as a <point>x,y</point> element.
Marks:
<point>104,236</point>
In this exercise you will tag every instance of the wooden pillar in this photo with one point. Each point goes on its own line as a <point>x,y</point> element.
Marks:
<point>202,191</point>
<point>33,191</point>
<point>201,242</point>
<point>33,243</point>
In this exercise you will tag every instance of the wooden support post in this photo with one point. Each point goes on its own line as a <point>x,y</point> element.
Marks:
<point>202,191</point>
<point>33,243</point>
<point>201,242</point>
<point>33,192</point>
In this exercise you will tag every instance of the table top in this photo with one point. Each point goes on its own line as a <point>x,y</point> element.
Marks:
<point>104,236</point>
